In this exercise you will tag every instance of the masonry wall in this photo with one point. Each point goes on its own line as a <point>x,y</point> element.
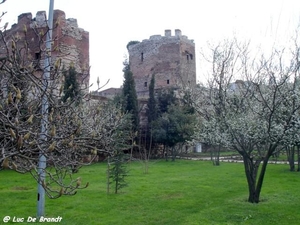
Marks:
<point>170,58</point>
<point>71,43</point>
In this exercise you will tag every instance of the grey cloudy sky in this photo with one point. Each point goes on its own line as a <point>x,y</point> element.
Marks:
<point>113,23</point>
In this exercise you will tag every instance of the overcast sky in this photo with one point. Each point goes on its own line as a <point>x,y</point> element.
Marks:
<point>113,23</point>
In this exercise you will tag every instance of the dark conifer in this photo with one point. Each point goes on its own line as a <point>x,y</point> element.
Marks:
<point>130,103</point>
<point>71,86</point>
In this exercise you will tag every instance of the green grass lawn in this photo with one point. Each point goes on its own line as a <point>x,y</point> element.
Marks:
<point>181,192</point>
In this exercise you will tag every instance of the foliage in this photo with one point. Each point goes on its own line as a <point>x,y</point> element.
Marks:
<point>117,171</point>
<point>152,107</point>
<point>71,86</point>
<point>256,116</point>
<point>165,98</point>
<point>129,101</point>
<point>116,160</point>
<point>174,123</point>
<point>174,126</point>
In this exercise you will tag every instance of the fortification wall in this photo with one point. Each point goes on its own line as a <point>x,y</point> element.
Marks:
<point>70,43</point>
<point>170,58</point>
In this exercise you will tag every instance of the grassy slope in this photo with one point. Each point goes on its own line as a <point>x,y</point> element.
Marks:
<point>181,192</point>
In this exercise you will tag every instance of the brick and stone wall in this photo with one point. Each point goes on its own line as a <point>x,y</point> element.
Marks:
<point>70,43</point>
<point>170,58</point>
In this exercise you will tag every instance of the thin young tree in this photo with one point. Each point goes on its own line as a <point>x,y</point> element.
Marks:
<point>152,115</point>
<point>118,141</point>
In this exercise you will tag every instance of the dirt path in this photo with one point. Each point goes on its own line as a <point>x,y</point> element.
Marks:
<point>231,160</point>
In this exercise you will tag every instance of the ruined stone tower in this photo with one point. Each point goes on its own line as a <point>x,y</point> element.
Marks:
<point>70,43</point>
<point>170,58</point>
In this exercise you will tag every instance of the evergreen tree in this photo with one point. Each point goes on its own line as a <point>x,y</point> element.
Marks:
<point>117,162</point>
<point>130,103</point>
<point>165,98</point>
<point>71,86</point>
<point>174,122</point>
<point>173,127</point>
<point>152,103</point>
<point>152,115</point>
<point>117,171</point>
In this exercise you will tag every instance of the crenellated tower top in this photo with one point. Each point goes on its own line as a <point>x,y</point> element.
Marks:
<point>170,58</point>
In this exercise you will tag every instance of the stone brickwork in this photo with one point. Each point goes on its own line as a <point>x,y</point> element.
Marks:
<point>170,58</point>
<point>70,43</point>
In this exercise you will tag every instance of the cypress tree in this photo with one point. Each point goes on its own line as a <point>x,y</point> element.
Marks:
<point>151,112</point>
<point>130,103</point>
<point>71,86</point>
<point>152,104</point>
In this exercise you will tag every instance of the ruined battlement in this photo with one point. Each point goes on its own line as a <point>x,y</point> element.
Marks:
<point>70,43</point>
<point>170,58</point>
<point>168,36</point>
<point>69,25</point>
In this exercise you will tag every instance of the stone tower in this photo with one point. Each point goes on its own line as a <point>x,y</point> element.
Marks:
<point>170,58</point>
<point>70,43</point>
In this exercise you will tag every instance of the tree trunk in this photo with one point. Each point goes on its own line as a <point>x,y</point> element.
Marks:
<point>108,174</point>
<point>173,153</point>
<point>261,178</point>
<point>131,150</point>
<point>215,155</point>
<point>145,160</point>
<point>217,158</point>
<point>166,149</point>
<point>211,155</point>
<point>147,155</point>
<point>291,157</point>
<point>298,154</point>
<point>251,170</point>
<point>116,186</point>
<point>150,145</point>
<point>251,178</point>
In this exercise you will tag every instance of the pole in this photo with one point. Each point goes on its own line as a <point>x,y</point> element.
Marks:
<point>44,122</point>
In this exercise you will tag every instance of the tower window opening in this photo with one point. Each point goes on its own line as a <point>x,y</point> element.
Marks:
<point>38,55</point>
<point>187,57</point>
<point>142,56</point>
<point>168,81</point>
<point>145,84</point>
<point>191,56</point>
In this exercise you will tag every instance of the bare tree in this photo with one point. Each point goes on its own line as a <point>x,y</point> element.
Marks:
<point>73,133</point>
<point>224,64</point>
